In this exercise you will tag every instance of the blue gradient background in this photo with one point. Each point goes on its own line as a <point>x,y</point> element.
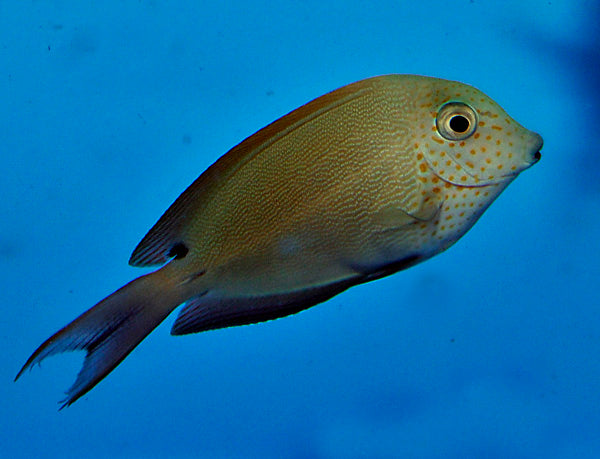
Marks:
<point>110,109</point>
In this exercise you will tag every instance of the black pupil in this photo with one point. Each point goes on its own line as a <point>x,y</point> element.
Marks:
<point>459,123</point>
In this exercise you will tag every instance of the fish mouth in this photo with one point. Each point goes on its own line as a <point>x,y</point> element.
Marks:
<point>537,148</point>
<point>534,159</point>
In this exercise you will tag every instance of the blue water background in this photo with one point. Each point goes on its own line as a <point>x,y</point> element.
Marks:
<point>108,110</point>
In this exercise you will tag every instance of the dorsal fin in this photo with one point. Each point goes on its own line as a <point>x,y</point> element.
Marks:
<point>156,247</point>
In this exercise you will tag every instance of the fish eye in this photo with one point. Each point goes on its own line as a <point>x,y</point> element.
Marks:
<point>456,121</point>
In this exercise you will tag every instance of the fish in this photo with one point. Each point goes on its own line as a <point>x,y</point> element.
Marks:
<point>360,183</point>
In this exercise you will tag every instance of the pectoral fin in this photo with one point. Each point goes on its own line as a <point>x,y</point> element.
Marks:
<point>394,217</point>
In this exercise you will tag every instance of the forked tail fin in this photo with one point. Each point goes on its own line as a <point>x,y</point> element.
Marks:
<point>110,330</point>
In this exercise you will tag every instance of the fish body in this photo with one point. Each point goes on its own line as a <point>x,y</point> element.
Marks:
<point>362,182</point>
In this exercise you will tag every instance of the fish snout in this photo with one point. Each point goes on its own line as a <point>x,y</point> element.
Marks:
<point>534,154</point>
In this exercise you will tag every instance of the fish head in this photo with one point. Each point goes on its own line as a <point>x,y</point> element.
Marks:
<point>467,139</point>
<point>468,150</point>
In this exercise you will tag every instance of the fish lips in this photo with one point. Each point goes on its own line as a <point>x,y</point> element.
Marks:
<point>535,151</point>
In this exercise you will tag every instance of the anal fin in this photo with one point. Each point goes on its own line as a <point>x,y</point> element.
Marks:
<point>208,313</point>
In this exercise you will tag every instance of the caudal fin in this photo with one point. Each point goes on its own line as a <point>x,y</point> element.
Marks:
<point>110,330</point>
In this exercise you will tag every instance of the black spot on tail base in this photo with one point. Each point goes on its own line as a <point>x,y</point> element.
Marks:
<point>178,251</point>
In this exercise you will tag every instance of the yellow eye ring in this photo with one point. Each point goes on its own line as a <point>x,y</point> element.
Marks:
<point>456,121</point>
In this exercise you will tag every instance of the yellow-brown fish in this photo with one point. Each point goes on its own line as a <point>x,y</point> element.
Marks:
<point>362,182</point>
